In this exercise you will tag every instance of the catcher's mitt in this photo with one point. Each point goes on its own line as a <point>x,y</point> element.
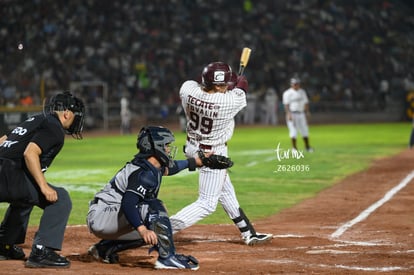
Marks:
<point>215,161</point>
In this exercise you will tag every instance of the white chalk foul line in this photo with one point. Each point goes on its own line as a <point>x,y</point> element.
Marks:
<point>364,214</point>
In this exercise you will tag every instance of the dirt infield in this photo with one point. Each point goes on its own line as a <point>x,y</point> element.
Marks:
<point>310,238</point>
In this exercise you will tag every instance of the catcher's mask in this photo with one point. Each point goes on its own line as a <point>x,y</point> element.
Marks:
<point>66,101</point>
<point>157,141</point>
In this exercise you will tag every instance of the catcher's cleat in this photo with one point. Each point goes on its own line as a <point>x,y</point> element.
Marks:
<point>177,261</point>
<point>258,238</point>
<point>106,250</point>
<point>43,257</point>
<point>11,252</point>
<point>103,251</point>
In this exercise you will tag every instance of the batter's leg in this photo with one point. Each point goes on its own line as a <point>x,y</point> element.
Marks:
<point>228,199</point>
<point>210,188</point>
<point>231,205</point>
<point>249,234</point>
<point>244,225</point>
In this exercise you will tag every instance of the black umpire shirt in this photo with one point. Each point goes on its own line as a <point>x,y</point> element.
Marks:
<point>44,130</point>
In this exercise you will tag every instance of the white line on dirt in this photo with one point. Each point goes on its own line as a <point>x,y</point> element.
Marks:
<point>364,214</point>
<point>330,251</point>
<point>380,269</point>
<point>338,266</point>
<point>370,243</point>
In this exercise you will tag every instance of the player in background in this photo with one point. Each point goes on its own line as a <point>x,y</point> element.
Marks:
<point>210,109</point>
<point>271,104</point>
<point>126,115</point>
<point>296,105</point>
<point>127,213</point>
<point>26,153</point>
<point>181,118</point>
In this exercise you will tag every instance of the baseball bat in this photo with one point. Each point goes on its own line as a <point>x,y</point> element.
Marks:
<point>244,59</point>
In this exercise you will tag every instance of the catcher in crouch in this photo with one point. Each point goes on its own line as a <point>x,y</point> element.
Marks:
<point>127,213</point>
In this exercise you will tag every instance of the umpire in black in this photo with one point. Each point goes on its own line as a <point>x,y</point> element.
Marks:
<point>26,152</point>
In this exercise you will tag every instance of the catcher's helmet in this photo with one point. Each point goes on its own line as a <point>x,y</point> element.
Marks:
<point>66,101</point>
<point>216,73</point>
<point>153,140</point>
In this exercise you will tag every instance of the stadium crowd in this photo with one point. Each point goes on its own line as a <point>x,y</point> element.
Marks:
<point>352,53</point>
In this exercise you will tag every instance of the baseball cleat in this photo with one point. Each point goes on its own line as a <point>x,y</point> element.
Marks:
<point>177,261</point>
<point>11,252</point>
<point>103,252</point>
<point>258,238</point>
<point>106,250</point>
<point>43,257</point>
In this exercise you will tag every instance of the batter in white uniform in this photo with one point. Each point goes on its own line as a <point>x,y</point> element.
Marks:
<point>210,110</point>
<point>296,104</point>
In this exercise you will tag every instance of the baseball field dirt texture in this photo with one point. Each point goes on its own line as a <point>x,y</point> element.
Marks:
<point>364,224</point>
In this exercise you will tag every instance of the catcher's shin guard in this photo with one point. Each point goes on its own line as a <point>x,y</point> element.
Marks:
<point>244,225</point>
<point>162,228</point>
<point>161,225</point>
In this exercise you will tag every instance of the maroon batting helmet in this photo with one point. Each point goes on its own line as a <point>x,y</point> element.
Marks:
<point>216,73</point>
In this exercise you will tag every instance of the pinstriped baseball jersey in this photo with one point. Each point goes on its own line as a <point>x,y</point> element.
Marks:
<point>210,116</point>
<point>210,119</point>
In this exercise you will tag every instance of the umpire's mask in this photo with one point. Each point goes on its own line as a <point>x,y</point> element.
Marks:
<point>66,101</point>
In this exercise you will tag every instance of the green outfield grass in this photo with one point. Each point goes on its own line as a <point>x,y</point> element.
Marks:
<point>83,167</point>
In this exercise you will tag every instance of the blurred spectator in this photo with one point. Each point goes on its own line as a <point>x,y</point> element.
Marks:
<point>345,45</point>
<point>181,117</point>
<point>26,99</point>
<point>249,112</point>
